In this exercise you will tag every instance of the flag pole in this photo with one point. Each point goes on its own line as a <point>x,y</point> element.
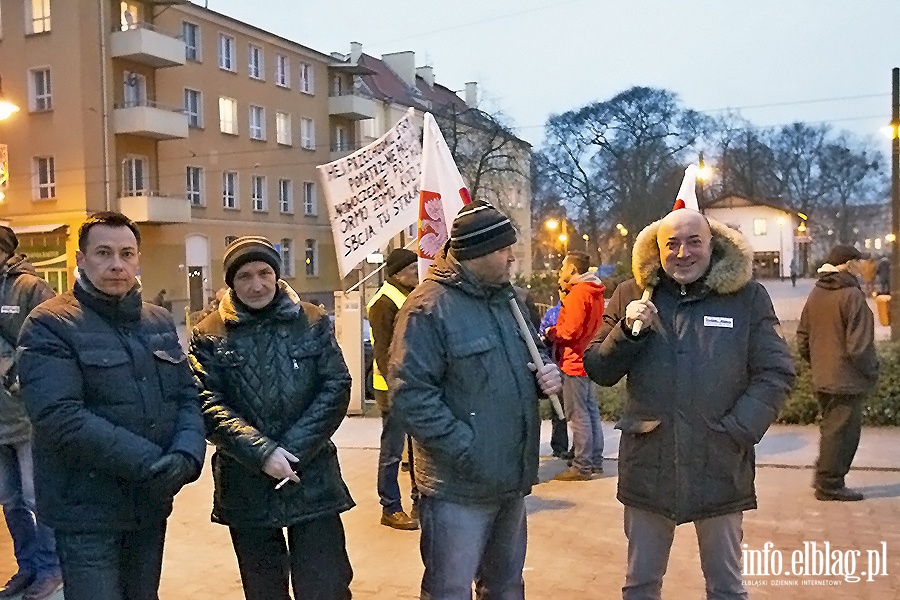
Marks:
<point>378,270</point>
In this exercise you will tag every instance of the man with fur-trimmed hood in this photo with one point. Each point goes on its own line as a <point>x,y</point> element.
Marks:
<point>707,374</point>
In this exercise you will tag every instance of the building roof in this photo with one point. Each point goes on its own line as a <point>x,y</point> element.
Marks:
<point>736,200</point>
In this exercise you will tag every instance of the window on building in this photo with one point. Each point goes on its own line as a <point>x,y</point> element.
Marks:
<point>307,134</point>
<point>40,90</point>
<point>282,71</point>
<point>229,189</point>
<point>190,33</point>
<point>38,16</point>
<point>255,65</point>
<point>283,128</point>
<point>193,107</point>
<point>341,139</point>
<point>227,60</point>
<point>134,176</point>
<point>228,115</point>
<point>134,92</point>
<point>287,257</point>
<point>312,258</point>
<point>306,78</point>
<point>128,15</point>
<point>44,178</point>
<point>286,196</point>
<point>258,193</point>
<point>337,85</point>
<point>195,186</point>
<point>257,122</point>
<point>759,227</point>
<point>309,198</point>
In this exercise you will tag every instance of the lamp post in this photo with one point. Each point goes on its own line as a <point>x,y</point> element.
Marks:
<point>895,204</point>
<point>586,239</point>
<point>7,109</point>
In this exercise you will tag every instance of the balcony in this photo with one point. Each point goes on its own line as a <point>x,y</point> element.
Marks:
<point>144,44</point>
<point>155,208</point>
<point>351,105</point>
<point>146,118</point>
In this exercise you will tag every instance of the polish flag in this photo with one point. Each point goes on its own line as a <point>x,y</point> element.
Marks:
<point>687,195</point>
<point>442,193</point>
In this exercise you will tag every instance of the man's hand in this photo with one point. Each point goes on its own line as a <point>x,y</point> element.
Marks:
<point>278,465</point>
<point>172,471</point>
<point>548,378</point>
<point>639,310</point>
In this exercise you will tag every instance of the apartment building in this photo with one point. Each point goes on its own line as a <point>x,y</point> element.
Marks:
<point>199,127</point>
<point>392,84</point>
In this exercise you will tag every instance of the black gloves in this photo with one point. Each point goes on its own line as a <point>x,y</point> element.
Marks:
<point>172,471</point>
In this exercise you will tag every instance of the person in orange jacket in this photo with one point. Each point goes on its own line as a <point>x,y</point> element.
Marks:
<point>579,320</point>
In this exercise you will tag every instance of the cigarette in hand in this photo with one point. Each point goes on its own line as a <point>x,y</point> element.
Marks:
<point>281,483</point>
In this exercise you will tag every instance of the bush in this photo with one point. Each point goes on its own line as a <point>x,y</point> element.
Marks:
<point>882,407</point>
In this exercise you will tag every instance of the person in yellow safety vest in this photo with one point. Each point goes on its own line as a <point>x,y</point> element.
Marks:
<point>402,274</point>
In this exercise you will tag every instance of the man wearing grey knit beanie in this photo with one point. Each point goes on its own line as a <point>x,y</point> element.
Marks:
<point>461,379</point>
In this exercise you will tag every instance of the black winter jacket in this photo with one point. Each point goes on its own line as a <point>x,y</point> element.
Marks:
<point>270,378</point>
<point>837,336</point>
<point>108,390</point>
<point>458,378</point>
<point>702,387</point>
<point>21,290</point>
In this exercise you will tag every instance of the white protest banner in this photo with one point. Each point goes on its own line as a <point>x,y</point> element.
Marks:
<point>443,194</point>
<point>372,194</point>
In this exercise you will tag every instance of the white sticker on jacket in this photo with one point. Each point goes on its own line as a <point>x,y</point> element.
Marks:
<point>9,310</point>
<point>718,322</point>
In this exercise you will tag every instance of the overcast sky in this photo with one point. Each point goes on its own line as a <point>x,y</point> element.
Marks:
<point>778,61</point>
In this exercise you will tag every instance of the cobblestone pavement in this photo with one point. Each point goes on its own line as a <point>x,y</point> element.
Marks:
<point>576,545</point>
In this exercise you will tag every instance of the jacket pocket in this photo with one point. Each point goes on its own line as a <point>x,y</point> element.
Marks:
<point>173,374</point>
<point>103,370</point>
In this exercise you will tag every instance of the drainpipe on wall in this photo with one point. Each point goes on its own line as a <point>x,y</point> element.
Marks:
<point>104,75</point>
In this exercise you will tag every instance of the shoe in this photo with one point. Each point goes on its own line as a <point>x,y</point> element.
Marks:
<point>597,469</point>
<point>16,584</point>
<point>841,494</point>
<point>573,474</point>
<point>43,587</point>
<point>399,520</point>
<point>414,513</point>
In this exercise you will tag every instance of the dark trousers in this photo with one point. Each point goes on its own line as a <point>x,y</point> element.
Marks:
<point>112,565</point>
<point>559,432</point>
<point>839,429</point>
<point>393,438</point>
<point>315,557</point>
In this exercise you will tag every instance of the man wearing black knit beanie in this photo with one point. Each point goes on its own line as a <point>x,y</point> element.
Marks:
<point>274,388</point>
<point>461,381</point>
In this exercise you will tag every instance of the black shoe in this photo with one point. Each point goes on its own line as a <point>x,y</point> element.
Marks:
<point>597,469</point>
<point>399,520</point>
<point>43,587</point>
<point>841,494</point>
<point>16,584</point>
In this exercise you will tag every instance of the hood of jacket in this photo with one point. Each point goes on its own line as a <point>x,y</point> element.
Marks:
<point>730,268</point>
<point>590,282</point>
<point>835,280</point>
<point>448,271</point>
<point>16,265</point>
<point>284,306</point>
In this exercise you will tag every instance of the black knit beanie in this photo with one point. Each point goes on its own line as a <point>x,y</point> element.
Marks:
<point>8,240</point>
<point>480,229</point>
<point>250,248</point>
<point>398,260</point>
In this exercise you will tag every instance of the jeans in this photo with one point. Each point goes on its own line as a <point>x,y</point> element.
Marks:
<point>315,557</point>
<point>112,565</point>
<point>839,437</point>
<point>559,432</point>
<point>33,543</point>
<point>392,440</point>
<point>583,415</point>
<point>466,543</point>
<point>650,539</point>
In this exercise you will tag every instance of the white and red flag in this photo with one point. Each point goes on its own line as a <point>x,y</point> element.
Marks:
<point>442,193</point>
<point>687,194</point>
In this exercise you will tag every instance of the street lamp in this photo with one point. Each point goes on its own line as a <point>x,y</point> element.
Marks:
<point>586,240</point>
<point>780,221</point>
<point>7,108</point>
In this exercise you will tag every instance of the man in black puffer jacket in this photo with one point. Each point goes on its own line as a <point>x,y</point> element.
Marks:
<point>117,427</point>
<point>274,388</point>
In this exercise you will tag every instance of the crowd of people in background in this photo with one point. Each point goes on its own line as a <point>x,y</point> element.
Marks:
<point>103,416</point>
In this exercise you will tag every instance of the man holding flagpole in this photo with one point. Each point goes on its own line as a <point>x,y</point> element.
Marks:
<point>462,380</point>
<point>707,372</point>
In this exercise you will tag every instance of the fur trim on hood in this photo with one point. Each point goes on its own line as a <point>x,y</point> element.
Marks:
<point>731,266</point>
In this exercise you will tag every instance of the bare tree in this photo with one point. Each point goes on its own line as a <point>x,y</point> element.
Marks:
<point>851,177</point>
